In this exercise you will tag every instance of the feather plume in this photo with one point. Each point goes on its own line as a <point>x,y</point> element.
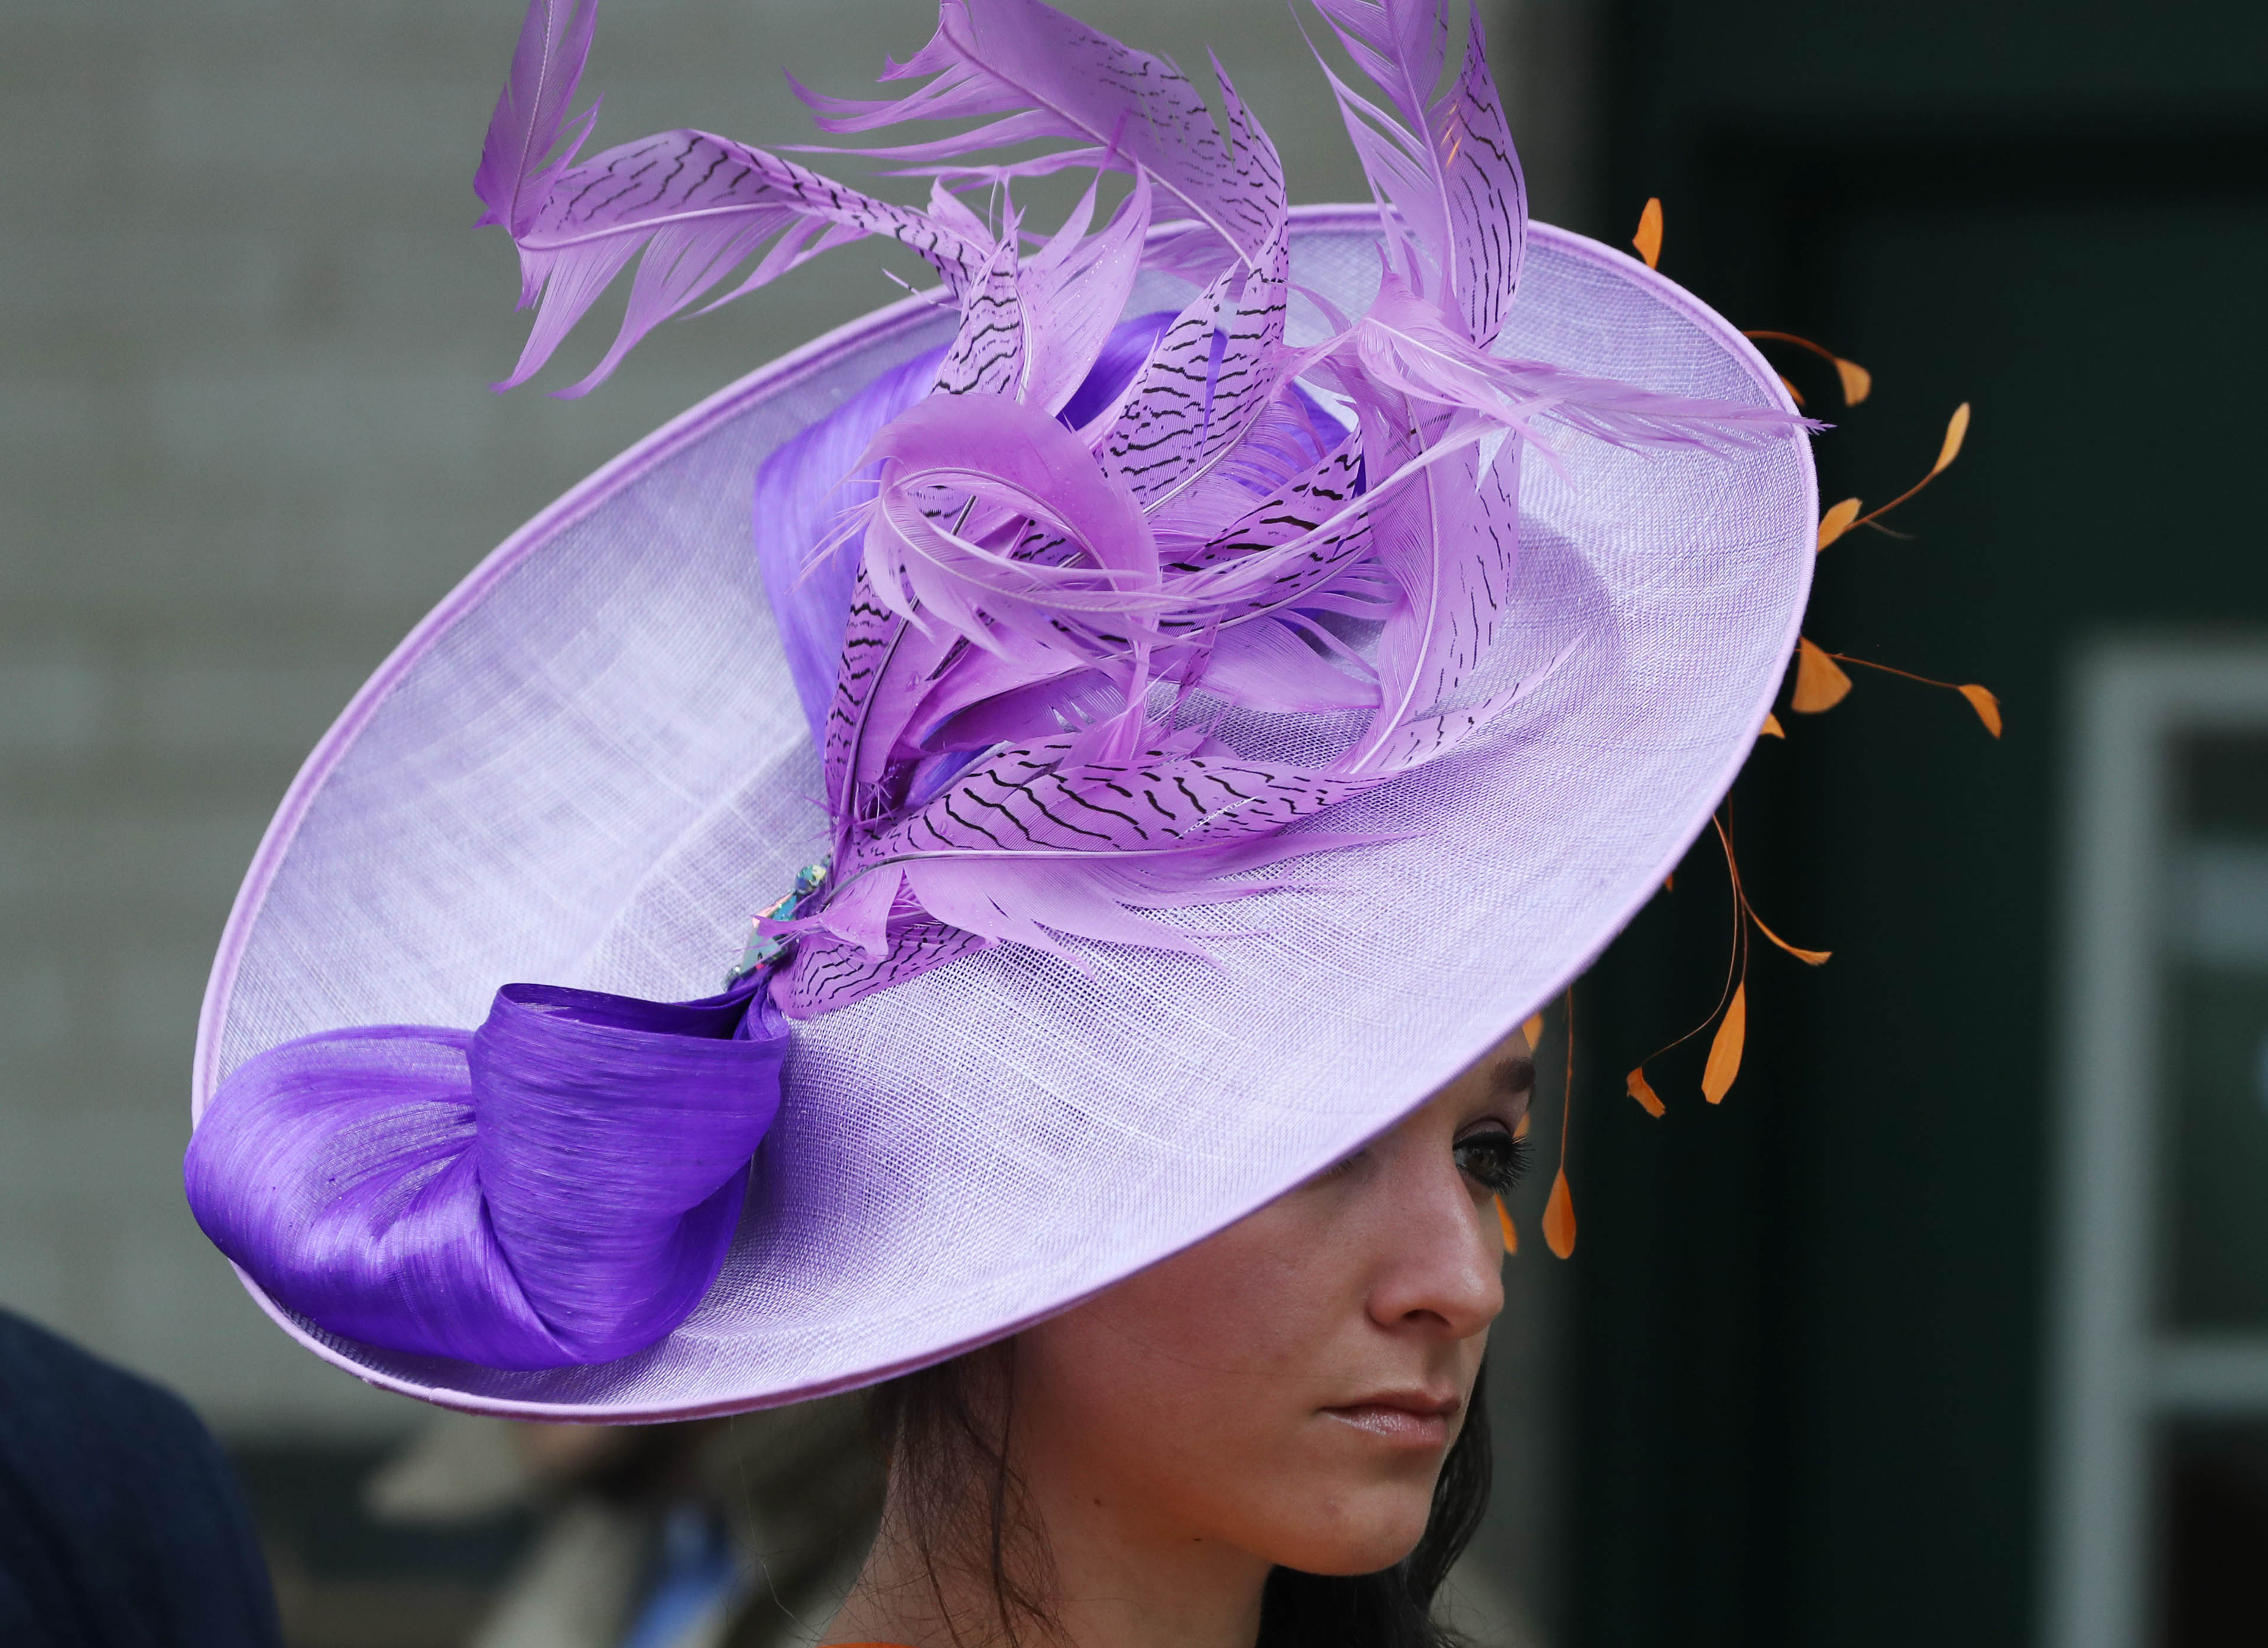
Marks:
<point>1090,529</point>
<point>1404,344</point>
<point>1033,842</point>
<point>697,206</point>
<point>1444,169</point>
<point>1041,74</point>
<point>1451,543</point>
<point>520,159</point>
<point>1217,367</point>
<point>802,493</point>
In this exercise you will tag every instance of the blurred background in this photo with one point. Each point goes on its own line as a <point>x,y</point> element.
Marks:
<point>1951,1323</point>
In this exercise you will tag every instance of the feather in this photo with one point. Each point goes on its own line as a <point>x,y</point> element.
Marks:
<point>885,682</point>
<point>698,207</point>
<point>1034,330</point>
<point>1292,461</point>
<point>983,700</point>
<point>989,349</point>
<point>1032,799</point>
<point>1120,357</point>
<point>1212,373</point>
<point>1404,344</point>
<point>1281,552</point>
<point>1446,166</point>
<point>519,160</point>
<point>802,492</point>
<point>1043,76</point>
<point>1202,879</point>
<point>1267,666</point>
<point>1427,738</point>
<point>1075,290</point>
<point>1451,543</point>
<point>1009,462</point>
<point>826,973</point>
<point>695,205</point>
<point>1022,908</point>
<point>986,894</point>
<point>886,664</point>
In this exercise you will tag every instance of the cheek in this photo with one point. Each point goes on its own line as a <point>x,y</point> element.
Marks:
<point>1187,1400</point>
<point>1211,1356</point>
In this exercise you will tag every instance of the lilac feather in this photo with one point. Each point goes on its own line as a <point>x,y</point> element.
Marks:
<point>990,348</point>
<point>520,159</point>
<point>803,491</point>
<point>1037,799</point>
<point>1032,842</point>
<point>1119,358</point>
<point>1451,543</point>
<point>884,679</point>
<point>1006,463</point>
<point>698,207</point>
<point>828,973</point>
<point>1271,667</point>
<point>1216,370</point>
<point>1444,166</point>
<point>1405,346</point>
<point>1041,74</point>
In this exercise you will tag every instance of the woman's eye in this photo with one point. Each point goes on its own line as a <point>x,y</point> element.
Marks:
<point>1494,1159</point>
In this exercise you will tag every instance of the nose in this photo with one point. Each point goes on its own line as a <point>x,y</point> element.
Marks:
<point>1440,1269</point>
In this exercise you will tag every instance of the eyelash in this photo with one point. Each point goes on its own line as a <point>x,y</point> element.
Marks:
<point>1503,1164</point>
<point>1501,1159</point>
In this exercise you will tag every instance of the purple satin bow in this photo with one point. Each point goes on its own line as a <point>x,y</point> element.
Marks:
<point>557,1186</point>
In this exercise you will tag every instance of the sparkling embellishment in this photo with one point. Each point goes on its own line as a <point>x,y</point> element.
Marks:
<point>762,949</point>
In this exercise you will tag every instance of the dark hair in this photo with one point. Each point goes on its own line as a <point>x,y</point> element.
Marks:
<point>946,1427</point>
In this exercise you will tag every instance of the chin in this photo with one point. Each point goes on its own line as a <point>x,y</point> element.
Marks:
<point>1370,1531</point>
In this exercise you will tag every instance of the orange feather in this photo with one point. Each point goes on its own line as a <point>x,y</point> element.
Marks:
<point>1986,706</point>
<point>1820,682</point>
<point>1838,521</point>
<point>1559,1217</point>
<point>1724,1066</point>
<point>1648,238</point>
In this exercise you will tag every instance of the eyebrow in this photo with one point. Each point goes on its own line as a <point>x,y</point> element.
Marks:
<point>1513,1077</point>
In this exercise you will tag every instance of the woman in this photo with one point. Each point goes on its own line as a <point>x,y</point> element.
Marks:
<point>1198,688</point>
<point>1209,1453</point>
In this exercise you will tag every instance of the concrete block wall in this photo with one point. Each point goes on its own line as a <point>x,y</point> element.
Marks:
<point>246,440</point>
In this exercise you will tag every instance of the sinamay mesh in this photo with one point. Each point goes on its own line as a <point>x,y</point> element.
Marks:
<point>589,767</point>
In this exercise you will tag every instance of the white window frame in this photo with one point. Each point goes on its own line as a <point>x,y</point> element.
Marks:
<point>2115,1378</point>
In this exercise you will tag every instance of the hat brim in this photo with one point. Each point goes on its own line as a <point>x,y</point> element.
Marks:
<point>588,766</point>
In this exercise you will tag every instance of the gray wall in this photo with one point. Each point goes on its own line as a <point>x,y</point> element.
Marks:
<point>246,441</point>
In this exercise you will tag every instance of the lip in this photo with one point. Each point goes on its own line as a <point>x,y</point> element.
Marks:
<point>1406,1418</point>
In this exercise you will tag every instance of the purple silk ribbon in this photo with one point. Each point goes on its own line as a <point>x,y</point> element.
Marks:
<point>557,1186</point>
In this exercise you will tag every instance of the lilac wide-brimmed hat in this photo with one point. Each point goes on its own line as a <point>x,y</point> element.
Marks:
<point>1177,699</point>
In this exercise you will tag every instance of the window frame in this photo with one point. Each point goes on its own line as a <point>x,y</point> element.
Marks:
<point>2115,1377</point>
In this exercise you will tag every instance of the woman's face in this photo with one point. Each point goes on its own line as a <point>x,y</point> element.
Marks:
<point>1290,1387</point>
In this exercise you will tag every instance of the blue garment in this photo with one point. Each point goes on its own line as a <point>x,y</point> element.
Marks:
<point>121,1523</point>
<point>695,1572</point>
